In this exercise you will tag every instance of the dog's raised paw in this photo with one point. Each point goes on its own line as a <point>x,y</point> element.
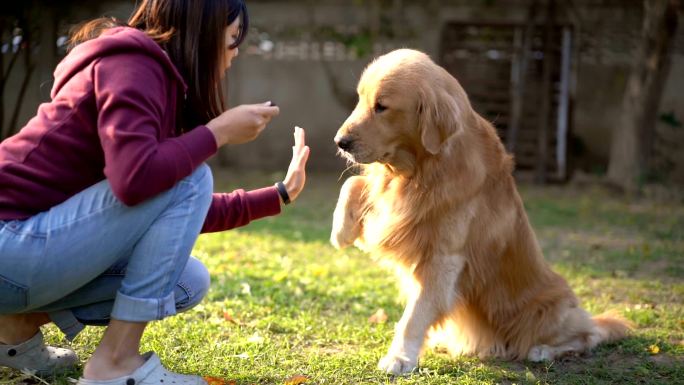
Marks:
<point>396,364</point>
<point>341,237</point>
<point>337,241</point>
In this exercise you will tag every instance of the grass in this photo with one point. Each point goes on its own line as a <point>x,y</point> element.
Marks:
<point>284,302</point>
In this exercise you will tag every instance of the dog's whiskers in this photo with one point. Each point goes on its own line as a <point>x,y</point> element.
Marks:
<point>350,165</point>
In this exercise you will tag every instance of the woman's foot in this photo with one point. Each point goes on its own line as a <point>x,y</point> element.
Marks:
<point>118,354</point>
<point>150,373</point>
<point>117,361</point>
<point>100,369</point>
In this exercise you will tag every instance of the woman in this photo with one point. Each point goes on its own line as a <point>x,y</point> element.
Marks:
<point>104,192</point>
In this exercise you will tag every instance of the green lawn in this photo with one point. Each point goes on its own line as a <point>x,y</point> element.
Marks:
<point>284,302</point>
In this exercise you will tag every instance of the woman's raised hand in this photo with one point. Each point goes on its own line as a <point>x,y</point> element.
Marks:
<point>242,124</point>
<point>296,173</point>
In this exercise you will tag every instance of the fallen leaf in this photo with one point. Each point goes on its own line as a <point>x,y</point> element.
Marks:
<point>218,381</point>
<point>296,380</point>
<point>229,318</point>
<point>379,317</point>
<point>654,349</point>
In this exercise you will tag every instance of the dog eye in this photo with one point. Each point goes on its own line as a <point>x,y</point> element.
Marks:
<point>379,108</point>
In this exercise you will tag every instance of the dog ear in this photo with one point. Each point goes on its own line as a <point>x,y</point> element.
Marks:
<point>438,118</point>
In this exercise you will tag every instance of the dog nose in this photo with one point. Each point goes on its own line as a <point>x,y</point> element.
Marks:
<point>344,143</point>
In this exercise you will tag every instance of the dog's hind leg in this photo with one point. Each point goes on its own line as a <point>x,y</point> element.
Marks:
<point>548,353</point>
<point>580,332</point>
<point>430,300</point>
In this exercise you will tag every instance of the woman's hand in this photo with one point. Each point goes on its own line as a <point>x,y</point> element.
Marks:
<point>296,173</point>
<point>241,124</point>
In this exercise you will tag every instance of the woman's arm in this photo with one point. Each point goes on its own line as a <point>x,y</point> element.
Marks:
<point>228,211</point>
<point>238,208</point>
<point>131,96</point>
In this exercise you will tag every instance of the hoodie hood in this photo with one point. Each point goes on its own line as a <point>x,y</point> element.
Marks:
<point>113,41</point>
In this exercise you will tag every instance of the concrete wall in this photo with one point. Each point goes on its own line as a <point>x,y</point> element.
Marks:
<point>301,86</point>
<point>303,93</point>
<point>598,107</point>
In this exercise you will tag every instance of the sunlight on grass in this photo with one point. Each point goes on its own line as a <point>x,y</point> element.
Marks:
<point>283,302</point>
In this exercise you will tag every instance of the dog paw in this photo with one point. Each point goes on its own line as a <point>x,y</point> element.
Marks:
<point>540,353</point>
<point>335,241</point>
<point>338,241</point>
<point>341,238</point>
<point>396,364</point>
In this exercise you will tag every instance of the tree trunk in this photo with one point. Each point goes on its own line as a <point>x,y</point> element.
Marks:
<point>523,45</point>
<point>632,136</point>
<point>546,94</point>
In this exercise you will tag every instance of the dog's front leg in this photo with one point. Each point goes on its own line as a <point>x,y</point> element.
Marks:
<point>431,299</point>
<point>347,219</point>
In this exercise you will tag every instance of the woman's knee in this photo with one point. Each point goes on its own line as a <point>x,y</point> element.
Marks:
<point>204,183</point>
<point>203,179</point>
<point>191,288</point>
<point>193,285</point>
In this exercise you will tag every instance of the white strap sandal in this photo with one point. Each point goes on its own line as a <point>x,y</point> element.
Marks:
<point>151,373</point>
<point>35,356</point>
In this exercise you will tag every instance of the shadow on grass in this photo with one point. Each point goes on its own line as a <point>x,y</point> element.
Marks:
<point>628,361</point>
<point>294,300</point>
<point>623,362</point>
<point>247,380</point>
<point>643,262</point>
<point>17,378</point>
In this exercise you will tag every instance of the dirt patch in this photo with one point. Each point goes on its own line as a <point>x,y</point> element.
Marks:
<point>665,359</point>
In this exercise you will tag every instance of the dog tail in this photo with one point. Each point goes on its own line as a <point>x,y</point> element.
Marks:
<point>611,326</point>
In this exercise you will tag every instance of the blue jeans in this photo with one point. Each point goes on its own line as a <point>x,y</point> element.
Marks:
<point>91,257</point>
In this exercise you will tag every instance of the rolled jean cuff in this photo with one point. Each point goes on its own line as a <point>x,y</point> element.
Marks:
<point>67,323</point>
<point>143,309</point>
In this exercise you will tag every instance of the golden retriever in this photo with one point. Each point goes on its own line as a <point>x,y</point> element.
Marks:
<point>436,196</point>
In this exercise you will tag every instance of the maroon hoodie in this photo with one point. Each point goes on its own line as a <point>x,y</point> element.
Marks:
<point>113,115</point>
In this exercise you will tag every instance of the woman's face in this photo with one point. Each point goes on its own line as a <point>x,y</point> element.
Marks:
<point>232,32</point>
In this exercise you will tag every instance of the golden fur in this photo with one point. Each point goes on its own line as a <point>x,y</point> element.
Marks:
<point>436,196</point>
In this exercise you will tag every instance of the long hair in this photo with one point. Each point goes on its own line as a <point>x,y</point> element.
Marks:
<point>192,32</point>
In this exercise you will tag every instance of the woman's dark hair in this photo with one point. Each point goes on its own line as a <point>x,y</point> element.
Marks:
<point>192,33</point>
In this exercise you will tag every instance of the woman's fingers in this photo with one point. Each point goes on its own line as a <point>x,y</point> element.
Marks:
<point>299,146</point>
<point>302,156</point>
<point>299,138</point>
<point>296,173</point>
<point>267,112</point>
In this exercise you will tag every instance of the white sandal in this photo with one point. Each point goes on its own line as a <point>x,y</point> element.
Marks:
<point>34,356</point>
<point>151,373</point>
